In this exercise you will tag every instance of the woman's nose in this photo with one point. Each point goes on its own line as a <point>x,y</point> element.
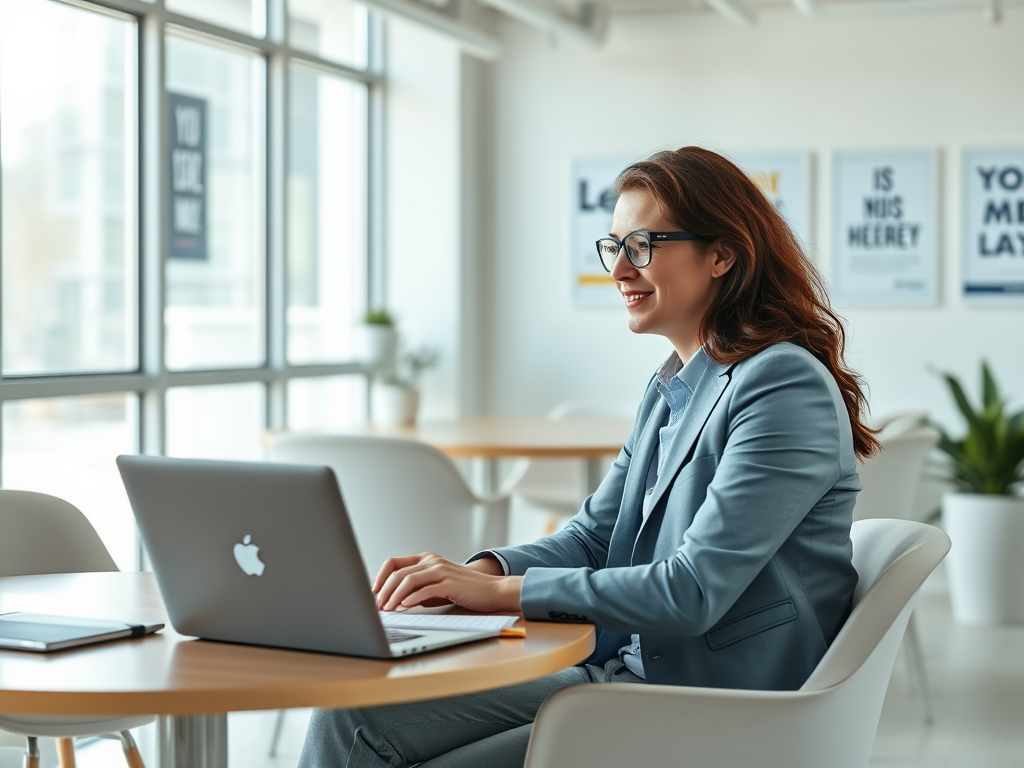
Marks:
<point>623,268</point>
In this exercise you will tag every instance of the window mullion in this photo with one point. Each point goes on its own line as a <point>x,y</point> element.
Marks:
<point>154,213</point>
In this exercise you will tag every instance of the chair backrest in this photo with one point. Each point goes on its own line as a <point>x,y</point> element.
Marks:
<point>898,421</point>
<point>890,478</point>
<point>44,534</point>
<point>892,558</point>
<point>587,407</point>
<point>403,497</point>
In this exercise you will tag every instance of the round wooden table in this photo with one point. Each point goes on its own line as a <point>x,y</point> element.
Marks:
<point>487,439</point>
<point>196,682</point>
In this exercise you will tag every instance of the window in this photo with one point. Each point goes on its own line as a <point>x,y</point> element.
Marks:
<point>160,326</point>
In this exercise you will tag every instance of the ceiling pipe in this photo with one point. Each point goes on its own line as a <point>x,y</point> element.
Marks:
<point>590,29</point>
<point>470,39</point>
<point>868,8</point>
<point>734,12</point>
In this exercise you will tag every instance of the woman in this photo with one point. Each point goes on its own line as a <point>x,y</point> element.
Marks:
<point>717,550</point>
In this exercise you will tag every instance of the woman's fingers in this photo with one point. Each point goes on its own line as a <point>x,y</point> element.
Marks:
<point>391,565</point>
<point>413,579</point>
<point>405,566</point>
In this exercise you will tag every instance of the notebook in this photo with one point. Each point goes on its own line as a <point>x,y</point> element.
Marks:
<point>43,632</point>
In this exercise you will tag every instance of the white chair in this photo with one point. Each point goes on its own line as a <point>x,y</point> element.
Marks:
<point>43,534</point>
<point>554,484</point>
<point>403,497</point>
<point>890,479</point>
<point>898,421</point>
<point>830,722</point>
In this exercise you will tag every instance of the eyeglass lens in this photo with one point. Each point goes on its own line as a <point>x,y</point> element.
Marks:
<point>638,250</point>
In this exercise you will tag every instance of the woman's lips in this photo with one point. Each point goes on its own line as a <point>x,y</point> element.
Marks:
<point>635,298</point>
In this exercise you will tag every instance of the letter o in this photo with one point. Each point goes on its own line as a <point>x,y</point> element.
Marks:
<point>1011,173</point>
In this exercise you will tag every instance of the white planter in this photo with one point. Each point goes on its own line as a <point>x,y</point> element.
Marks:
<point>985,564</point>
<point>392,405</point>
<point>376,345</point>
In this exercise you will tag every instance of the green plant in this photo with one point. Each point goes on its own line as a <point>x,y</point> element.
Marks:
<point>411,365</point>
<point>378,316</point>
<point>990,457</point>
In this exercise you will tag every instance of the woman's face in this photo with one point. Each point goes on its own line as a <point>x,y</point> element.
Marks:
<point>670,295</point>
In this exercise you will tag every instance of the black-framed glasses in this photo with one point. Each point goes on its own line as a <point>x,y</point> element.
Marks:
<point>637,245</point>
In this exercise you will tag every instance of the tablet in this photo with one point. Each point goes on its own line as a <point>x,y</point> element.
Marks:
<point>43,632</point>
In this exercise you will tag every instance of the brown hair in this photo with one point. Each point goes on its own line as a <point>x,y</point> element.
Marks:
<point>772,293</point>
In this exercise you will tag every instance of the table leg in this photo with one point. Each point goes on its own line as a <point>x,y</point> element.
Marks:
<point>192,741</point>
<point>589,476</point>
<point>491,523</point>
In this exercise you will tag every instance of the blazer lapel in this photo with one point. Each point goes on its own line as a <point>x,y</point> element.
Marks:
<point>631,510</point>
<point>705,397</point>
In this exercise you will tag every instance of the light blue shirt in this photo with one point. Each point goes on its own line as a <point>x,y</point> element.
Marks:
<point>675,383</point>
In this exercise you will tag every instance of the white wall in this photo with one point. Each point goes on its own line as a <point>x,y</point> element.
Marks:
<point>429,285</point>
<point>942,81</point>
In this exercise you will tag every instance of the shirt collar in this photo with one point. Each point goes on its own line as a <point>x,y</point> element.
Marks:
<point>676,382</point>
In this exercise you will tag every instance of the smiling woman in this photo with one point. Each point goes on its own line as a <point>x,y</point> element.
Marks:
<point>716,552</point>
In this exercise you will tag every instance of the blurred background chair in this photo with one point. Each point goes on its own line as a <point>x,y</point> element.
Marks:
<point>44,534</point>
<point>831,721</point>
<point>555,485</point>
<point>403,498</point>
<point>890,480</point>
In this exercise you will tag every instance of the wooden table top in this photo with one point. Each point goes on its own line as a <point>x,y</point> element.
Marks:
<point>168,673</point>
<point>509,437</point>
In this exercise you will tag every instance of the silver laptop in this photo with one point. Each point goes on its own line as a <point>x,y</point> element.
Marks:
<point>263,554</point>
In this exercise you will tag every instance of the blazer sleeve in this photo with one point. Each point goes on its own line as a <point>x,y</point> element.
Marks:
<point>780,457</point>
<point>583,542</point>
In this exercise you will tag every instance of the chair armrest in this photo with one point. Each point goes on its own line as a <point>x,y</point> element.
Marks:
<point>589,726</point>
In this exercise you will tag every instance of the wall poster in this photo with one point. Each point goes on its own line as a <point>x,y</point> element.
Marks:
<point>884,228</point>
<point>785,178</point>
<point>593,181</point>
<point>994,225</point>
<point>188,177</point>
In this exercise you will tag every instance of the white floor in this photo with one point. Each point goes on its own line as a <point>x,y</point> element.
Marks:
<point>976,675</point>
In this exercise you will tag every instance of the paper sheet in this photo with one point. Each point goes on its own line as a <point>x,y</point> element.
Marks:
<point>406,620</point>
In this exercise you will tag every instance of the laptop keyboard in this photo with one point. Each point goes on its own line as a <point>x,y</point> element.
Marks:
<point>397,635</point>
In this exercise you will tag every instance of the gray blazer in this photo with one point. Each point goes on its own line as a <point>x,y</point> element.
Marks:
<point>741,576</point>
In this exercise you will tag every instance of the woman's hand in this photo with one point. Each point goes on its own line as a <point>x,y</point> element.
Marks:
<point>429,579</point>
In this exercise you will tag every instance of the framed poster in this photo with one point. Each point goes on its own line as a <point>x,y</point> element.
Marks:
<point>785,178</point>
<point>188,177</point>
<point>884,228</point>
<point>593,196</point>
<point>994,225</point>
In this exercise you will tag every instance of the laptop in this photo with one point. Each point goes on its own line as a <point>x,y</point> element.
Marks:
<point>263,554</point>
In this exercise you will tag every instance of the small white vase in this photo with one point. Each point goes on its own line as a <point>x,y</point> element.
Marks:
<point>392,405</point>
<point>985,564</point>
<point>376,346</point>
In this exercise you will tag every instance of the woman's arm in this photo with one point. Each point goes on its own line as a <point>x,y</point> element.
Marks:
<point>780,458</point>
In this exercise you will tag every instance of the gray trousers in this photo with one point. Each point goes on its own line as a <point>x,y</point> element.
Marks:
<point>491,728</point>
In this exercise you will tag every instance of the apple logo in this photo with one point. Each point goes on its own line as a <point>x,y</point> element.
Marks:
<point>248,557</point>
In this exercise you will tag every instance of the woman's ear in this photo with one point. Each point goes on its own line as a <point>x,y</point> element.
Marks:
<point>723,257</point>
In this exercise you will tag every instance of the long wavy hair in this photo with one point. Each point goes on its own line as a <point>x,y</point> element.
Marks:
<point>773,293</point>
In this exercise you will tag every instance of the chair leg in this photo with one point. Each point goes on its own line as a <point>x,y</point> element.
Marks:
<point>66,752</point>
<point>276,737</point>
<point>914,655</point>
<point>131,750</point>
<point>32,753</point>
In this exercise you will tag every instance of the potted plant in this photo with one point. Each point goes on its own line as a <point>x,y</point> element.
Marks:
<point>377,339</point>
<point>395,396</point>
<point>984,517</point>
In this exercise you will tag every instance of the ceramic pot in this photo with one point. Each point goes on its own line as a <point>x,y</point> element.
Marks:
<point>376,346</point>
<point>394,405</point>
<point>985,564</point>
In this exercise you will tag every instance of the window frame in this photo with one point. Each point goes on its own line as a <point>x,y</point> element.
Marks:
<point>152,379</point>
